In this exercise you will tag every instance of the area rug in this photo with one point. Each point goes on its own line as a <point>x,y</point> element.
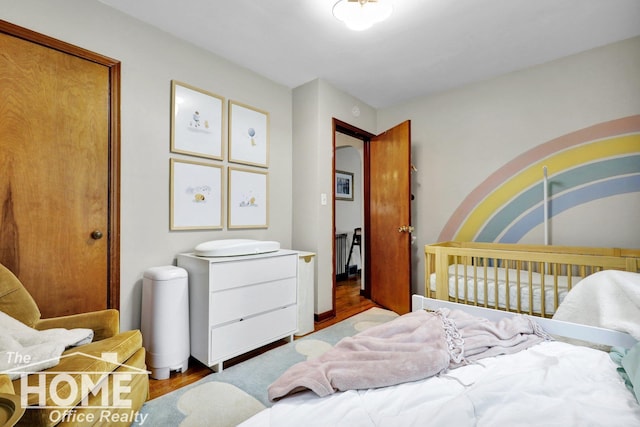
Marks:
<point>229,397</point>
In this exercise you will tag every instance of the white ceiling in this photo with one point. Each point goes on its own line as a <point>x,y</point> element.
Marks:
<point>426,46</point>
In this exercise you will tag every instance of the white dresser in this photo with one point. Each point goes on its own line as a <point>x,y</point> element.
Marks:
<point>237,304</point>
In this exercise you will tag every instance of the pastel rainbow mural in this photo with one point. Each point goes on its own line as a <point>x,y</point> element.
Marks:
<point>593,163</point>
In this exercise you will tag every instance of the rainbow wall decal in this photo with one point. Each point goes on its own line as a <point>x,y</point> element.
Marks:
<point>596,162</point>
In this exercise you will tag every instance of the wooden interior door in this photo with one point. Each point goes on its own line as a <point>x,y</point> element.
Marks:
<point>388,232</point>
<point>59,159</point>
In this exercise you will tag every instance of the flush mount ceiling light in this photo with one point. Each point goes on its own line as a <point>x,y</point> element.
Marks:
<point>359,15</point>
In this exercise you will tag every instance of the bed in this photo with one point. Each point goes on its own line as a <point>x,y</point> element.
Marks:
<point>551,382</point>
<point>532,279</point>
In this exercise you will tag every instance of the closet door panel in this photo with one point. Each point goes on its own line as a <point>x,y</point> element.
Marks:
<point>57,232</point>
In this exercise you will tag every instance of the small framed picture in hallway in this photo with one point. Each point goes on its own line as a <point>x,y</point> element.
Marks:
<point>344,185</point>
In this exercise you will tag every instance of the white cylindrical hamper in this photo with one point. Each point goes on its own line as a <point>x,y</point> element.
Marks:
<point>165,320</point>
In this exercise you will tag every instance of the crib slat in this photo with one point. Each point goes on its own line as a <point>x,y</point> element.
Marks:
<point>569,277</point>
<point>556,296</point>
<point>466,281</point>
<point>518,290</point>
<point>496,300</point>
<point>507,289</point>
<point>530,289</point>
<point>486,282</point>
<point>457,263</point>
<point>475,281</point>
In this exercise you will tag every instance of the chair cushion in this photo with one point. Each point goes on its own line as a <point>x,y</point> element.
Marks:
<point>6,386</point>
<point>15,300</point>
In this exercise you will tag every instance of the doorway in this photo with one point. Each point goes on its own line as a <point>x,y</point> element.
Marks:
<point>349,221</point>
<point>350,292</point>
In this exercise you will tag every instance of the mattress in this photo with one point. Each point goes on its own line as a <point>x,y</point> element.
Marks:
<point>502,276</point>
<point>570,385</point>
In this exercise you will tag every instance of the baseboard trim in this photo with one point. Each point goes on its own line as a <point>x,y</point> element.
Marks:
<point>321,317</point>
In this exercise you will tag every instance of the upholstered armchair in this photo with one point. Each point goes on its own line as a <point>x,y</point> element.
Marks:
<point>124,355</point>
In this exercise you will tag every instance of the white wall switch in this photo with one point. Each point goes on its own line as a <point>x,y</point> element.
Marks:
<point>323,198</point>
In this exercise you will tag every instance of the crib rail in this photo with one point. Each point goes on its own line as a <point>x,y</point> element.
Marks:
<point>529,279</point>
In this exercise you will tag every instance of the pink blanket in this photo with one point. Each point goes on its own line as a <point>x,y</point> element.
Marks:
<point>411,347</point>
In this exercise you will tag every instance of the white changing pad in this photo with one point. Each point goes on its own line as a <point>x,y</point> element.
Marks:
<point>235,247</point>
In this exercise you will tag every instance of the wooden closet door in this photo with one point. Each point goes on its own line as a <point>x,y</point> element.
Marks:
<point>55,124</point>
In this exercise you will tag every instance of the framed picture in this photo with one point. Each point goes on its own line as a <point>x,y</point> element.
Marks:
<point>248,198</point>
<point>196,196</point>
<point>344,185</point>
<point>196,121</point>
<point>248,135</point>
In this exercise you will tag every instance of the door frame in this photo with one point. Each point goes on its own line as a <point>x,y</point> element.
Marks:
<point>113,66</point>
<point>365,137</point>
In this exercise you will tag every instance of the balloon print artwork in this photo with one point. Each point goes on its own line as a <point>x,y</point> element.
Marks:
<point>248,135</point>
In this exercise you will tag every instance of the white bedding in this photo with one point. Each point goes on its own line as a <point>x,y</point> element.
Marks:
<point>552,383</point>
<point>536,280</point>
<point>26,349</point>
<point>607,299</point>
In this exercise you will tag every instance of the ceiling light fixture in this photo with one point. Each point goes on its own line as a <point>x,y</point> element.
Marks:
<point>359,15</point>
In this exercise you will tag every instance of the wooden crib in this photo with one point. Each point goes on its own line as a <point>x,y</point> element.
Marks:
<point>519,278</point>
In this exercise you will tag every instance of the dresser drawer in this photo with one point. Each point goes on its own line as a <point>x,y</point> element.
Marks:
<point>246,301</point>
<point>239,337</point>
<point>227,275</point>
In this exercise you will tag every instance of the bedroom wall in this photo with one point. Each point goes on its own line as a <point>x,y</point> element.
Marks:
<point>488,141</point>
<point>315,104</point>
<point>150,60</point>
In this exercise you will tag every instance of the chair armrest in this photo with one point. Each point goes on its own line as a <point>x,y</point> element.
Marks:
<point>104,323</point>
<point>6,386</point>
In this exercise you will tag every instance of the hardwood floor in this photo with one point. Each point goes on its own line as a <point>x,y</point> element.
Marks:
<point>348,303</point>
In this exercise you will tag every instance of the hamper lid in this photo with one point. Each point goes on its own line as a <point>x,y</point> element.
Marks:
<point>165,272</point>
